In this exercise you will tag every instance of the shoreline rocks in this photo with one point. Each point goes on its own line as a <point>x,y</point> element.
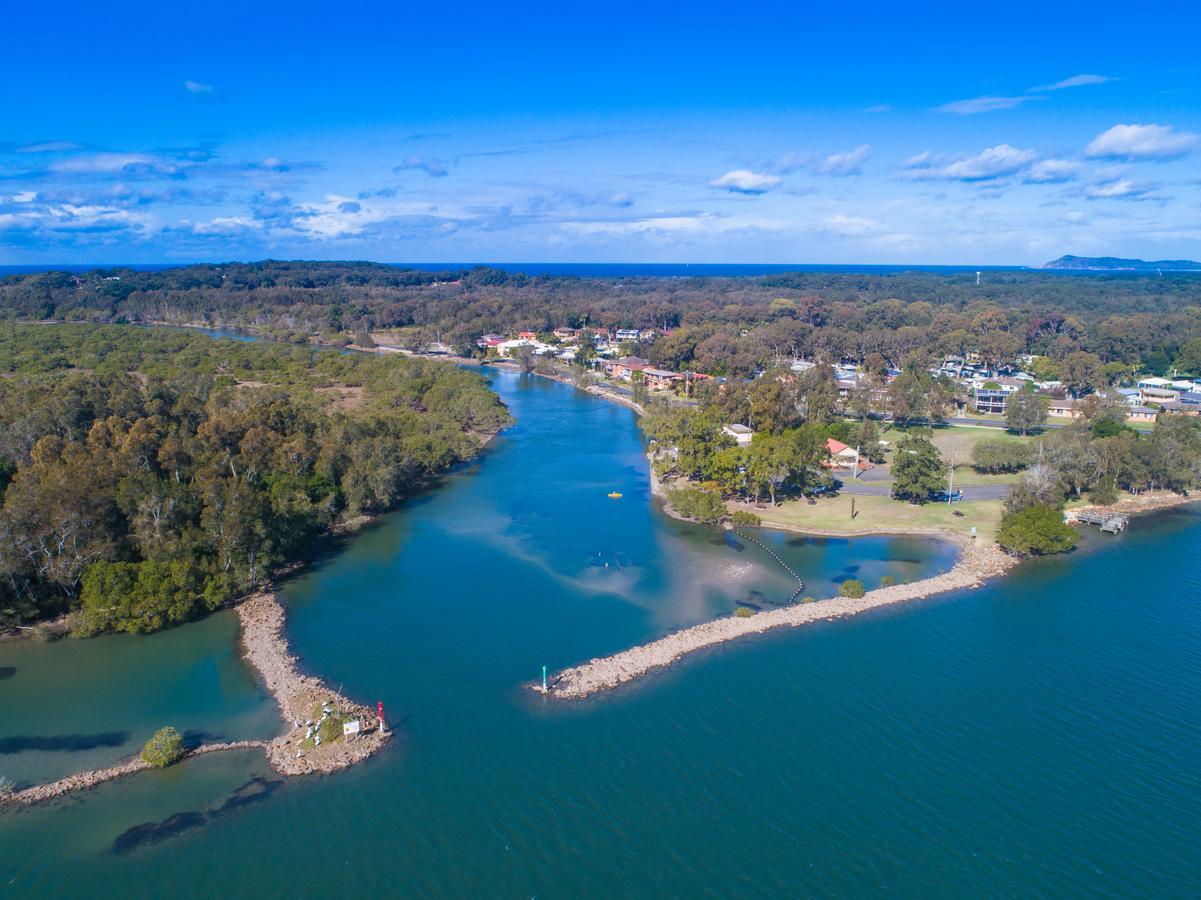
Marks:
<point>296,695</point>
<point>977,564</point>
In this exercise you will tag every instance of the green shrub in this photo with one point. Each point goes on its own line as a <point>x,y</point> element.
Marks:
<point>744,612</point>
<point>165,748</point>
<point>888,581</point>
<point>853,588</point>
<point>330,729</point>
<point>808,599</point>
<point>995,455</point>
<point>1036,530</point>
<point>1104,493</point>
<point>743,519</point>
<point>702,506</point>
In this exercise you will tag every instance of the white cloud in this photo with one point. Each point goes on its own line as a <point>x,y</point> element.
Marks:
<point>995,162</point>
<point>1074,81</point>
<point>852,226</point>
<point>794,162</point>
<point>879,108</point>
<point>197,87</point>
<point>1142,142</point>
<point>1119,189</point>
<point>113,163</point>
<point>1052,171</point>
<point>226,225</point>
<point>982,105</point>
<point>744,181</point>
<point>51,147</point>
<point>339,217</point>
<point>683,225</point>
<point>842,164</point>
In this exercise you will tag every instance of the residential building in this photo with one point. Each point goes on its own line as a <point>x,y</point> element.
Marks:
<point>1142,414</point>
<point>1153,382</point>
<point>1062,408</point>
<point>660,378</point>
<point>1159,394</point>
<point>741,434</point>
<point>627,334</point>
<point>625,367</point>
<point>842,456</point>
<point>990,400</point>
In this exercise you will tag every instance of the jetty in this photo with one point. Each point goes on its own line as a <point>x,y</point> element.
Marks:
<point>1108,521</point>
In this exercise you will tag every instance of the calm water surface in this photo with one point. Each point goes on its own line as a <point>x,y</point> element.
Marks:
<point>1039,736</point>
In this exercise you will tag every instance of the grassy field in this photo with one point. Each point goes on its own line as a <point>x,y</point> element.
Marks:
<point>957,441</point>
<point>834,514</point>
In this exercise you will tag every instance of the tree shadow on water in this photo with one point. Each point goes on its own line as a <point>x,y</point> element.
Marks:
<point>7,672</point>
<point>149,833</point>
<point>68,743</point>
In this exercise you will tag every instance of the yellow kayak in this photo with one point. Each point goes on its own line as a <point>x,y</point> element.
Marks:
<point>615,495</point>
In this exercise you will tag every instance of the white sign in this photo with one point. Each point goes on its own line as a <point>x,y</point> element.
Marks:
<point>350,727</point>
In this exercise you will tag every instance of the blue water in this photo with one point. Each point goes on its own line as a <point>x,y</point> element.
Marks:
<point>1036,737</point>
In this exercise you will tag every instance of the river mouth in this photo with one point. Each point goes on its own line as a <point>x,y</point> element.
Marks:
<point>529,532</point>
<point>443,610</point>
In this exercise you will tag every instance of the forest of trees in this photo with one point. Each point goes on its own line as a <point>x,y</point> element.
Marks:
<point>729,326</point>
<point>148,475</point>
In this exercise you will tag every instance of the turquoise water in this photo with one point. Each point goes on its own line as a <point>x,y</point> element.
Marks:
<point>1038,736</point>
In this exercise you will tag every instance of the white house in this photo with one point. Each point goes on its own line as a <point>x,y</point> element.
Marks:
<point>740,433</point>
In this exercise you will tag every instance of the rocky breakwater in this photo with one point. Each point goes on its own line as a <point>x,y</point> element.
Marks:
<point>87,780</point>
<point>307,705</point>
<point>304,701</point>
<point>977,563</point>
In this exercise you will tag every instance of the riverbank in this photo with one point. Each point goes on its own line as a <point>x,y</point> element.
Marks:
<point>1148,502</point>
<point>302,701</point>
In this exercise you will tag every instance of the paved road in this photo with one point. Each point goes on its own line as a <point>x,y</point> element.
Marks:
<point>970,492</point>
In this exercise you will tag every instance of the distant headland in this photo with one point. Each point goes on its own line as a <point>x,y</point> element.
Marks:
<point>1116,264</point>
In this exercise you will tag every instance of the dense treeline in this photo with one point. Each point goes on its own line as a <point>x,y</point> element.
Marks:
<point>148,475</point>
<point>729,326</point>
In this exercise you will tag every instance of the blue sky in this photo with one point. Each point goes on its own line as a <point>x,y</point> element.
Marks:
<point>883,133</point>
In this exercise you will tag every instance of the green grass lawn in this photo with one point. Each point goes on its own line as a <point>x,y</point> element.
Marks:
<point>834,514</point>
<point>957,441</point>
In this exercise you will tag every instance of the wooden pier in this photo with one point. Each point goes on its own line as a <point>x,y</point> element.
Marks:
<point>1109,522</point>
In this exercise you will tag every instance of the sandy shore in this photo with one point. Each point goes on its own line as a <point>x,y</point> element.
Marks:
<point>301,700</point>
<point>977,563</point>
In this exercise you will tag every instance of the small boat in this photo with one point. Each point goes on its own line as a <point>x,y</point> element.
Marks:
<point>615,495</point>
